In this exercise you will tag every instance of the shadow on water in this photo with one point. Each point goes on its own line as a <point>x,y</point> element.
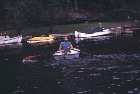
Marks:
<point>107,65</point>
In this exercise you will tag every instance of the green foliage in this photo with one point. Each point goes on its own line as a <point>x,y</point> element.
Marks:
<point>19,10</point>
<point>26,13</point>
<point>70,28</point>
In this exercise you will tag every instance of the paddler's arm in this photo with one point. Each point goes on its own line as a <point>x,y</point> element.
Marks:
<point>60,48</point>
<point>71,47</point>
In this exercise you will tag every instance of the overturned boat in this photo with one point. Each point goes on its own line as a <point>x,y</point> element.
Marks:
<point>93,32</point>
<point>72,55</point>
<point>41,39</point>
<point>7,39</point>
<point>29,59</point>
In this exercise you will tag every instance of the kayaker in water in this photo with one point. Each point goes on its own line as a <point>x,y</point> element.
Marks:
<point>65,46</point>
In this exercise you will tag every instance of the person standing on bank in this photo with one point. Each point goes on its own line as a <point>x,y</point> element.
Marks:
<point>65,46</point>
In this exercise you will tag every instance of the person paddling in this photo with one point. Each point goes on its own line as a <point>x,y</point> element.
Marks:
<point>65,46</point>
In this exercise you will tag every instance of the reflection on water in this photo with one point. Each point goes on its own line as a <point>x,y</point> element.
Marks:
<point>102,74</point>
<point>107,65</point>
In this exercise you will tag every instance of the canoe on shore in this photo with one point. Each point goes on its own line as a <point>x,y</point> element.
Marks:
<point>8,40</point>
<point>41,39</point>
<point>92,33</point>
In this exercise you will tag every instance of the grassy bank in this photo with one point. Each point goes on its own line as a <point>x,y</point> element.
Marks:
<point>70,28</point>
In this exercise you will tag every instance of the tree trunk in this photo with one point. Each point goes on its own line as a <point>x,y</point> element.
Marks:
<point>75,5</point>
<point>111,4</point>
<point>18,30</point>
<point>68,4</point>
<point>51,28</point>
<point>138,12</point>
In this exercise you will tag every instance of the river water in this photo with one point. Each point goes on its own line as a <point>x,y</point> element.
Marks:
<point>107,65</point>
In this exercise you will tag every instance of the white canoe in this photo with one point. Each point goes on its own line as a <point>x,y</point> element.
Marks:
<point>84,35</point>
<point>16,39</point>
<point>73,54</point>
<point>97,38</point>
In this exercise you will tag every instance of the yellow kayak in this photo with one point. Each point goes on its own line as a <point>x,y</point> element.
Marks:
<point>41,39</point>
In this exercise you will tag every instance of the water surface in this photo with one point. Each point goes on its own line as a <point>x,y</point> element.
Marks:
<point>107,65</point>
